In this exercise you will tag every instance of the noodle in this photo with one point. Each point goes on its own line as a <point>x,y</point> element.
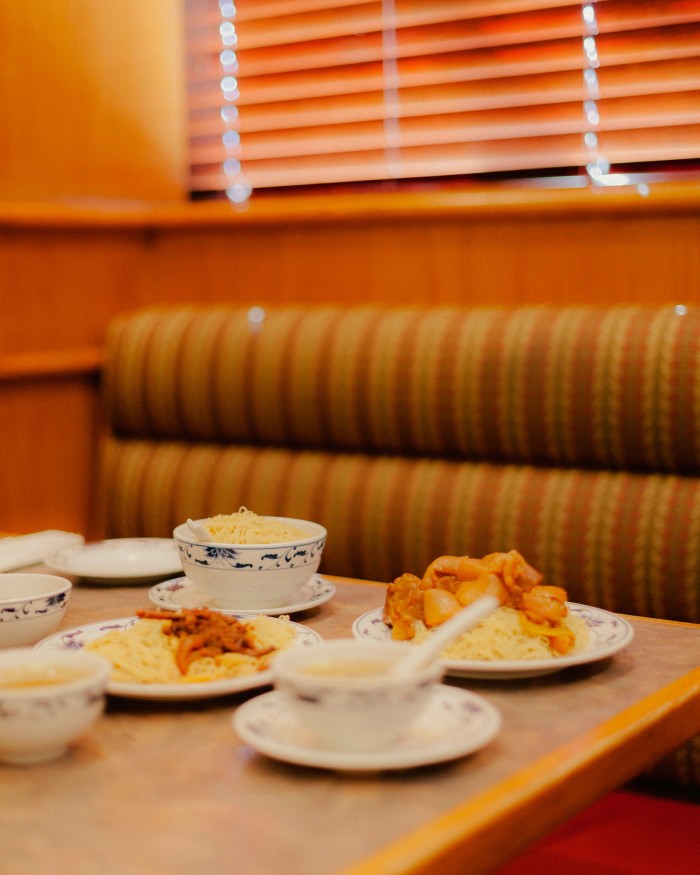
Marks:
<point>500,636</point>
<point>246,527</point>
<point>144,654</point>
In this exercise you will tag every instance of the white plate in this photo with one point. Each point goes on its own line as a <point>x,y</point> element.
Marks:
<point>74,639</point>
<point>120,560</point>
<point>609,634</point>
<point>454,724</point>
<point>182,593</point>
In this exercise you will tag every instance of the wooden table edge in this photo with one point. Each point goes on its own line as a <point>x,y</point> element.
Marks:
<point>531,803</point>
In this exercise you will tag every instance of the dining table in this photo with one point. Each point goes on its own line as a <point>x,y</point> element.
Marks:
<point>169,786</point>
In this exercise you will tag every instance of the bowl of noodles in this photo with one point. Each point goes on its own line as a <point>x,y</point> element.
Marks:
<point>250,562</point>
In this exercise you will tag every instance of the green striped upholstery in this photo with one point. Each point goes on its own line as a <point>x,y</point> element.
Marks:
<point>611,538</point>
<point>570,434</point>
<point>612,388</point>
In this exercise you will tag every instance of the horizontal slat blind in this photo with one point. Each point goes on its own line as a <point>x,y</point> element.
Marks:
<point>336,92</point>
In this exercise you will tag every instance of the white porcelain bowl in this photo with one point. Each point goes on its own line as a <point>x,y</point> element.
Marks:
<point>31,606</point>
<point>251,576</point>
<point>47,700</point>
<point>344,694</point>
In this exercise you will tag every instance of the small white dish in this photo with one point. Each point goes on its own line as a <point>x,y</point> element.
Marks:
<point>182,593</point>
<point>610,634</point>
<point>75,639</point>
<point>119,560</point>
<point>455,723</point>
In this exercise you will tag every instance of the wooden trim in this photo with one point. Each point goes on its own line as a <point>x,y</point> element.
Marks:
<point>81,361</point>
<point>466,203</point>
<point>602,760</point>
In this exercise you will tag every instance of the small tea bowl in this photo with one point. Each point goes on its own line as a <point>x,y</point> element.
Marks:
<point>345,693</point>
<point>47,700</point>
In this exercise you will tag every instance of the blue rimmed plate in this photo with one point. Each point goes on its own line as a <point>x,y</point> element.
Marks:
<point>610,634</point>
<point>75,639</point>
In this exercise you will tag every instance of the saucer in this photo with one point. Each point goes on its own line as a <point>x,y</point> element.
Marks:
<point>118,561</point>
<point>454,723</point>
<point>182,593</point>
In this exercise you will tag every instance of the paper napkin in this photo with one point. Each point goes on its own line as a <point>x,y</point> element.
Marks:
<point>20,550</point>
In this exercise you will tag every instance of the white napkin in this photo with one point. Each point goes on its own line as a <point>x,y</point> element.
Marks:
<point>19,550</point>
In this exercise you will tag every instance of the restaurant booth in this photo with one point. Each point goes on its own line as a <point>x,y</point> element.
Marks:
<point>412,432</point>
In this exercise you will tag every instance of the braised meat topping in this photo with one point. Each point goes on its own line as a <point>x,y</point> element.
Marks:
<point>203,632</point>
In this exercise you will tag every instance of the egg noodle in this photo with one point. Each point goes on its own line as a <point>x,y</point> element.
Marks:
<point>144,654</point>
<point>500,636</point>
<point>246,527</point>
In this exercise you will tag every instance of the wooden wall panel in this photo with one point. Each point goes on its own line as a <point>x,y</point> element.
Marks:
<point>62,286</point>
<point>535,260</point>
<point>92,100</point>
<point>47,432</point>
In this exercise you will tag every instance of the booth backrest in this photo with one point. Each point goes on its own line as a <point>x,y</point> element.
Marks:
<point>571,434</point>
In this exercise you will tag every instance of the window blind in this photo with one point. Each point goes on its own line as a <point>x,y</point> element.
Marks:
<point>314,92</point>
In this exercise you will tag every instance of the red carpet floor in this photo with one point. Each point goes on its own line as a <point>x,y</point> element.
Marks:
<point>623,834</point>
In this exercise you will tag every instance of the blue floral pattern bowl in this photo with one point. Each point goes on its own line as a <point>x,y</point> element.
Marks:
<point>32,606</point>
<point>251,576</point>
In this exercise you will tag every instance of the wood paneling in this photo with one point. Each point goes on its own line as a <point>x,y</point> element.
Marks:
<point>48,449</point>
<point>91,100</point>
<point>495,260</point>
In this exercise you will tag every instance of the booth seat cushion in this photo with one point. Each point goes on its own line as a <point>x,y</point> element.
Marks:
<point>610,538</point>
<point>622,834</point>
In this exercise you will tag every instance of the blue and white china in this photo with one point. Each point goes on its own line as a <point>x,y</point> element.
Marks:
<point>251,576</point>
<point>32,605</point>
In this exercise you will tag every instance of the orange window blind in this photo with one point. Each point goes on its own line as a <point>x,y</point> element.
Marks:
<point>313,92</point>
